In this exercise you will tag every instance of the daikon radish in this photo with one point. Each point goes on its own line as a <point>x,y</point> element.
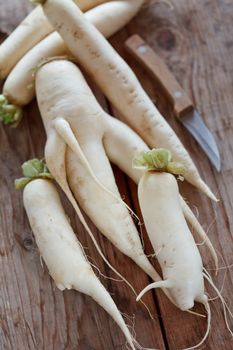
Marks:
<point>33,29</point>
<point>118,82</point>
<point>61,250</point>
<point>176,251</point>
<point>18,89</point>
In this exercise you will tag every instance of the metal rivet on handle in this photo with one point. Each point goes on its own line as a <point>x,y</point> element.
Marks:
<point>142,49</point>
<point>177,94</point>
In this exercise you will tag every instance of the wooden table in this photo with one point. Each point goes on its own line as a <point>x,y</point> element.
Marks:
<point>195,39</point>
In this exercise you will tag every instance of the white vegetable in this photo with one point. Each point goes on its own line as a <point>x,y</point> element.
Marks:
<point>118,82</point>
<point>180,261</point>
<point>61,250</point>
<point>19,88</point>
<point>33,29</point>
<point>172,241</point>
<point>169,234</point>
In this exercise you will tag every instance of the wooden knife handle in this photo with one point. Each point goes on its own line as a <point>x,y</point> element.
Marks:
<point>146,56</point>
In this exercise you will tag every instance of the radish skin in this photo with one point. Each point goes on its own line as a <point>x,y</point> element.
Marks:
<point>169,234</point>
<point>121,144</point>
<point>19,86</point>
<point>30,31</point>
<point>103,63</point>
<point>61,250</point>
<point>194,223</point>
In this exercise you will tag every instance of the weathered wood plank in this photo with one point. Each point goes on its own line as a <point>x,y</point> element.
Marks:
<point>12,12</point>
<point>195,39</point>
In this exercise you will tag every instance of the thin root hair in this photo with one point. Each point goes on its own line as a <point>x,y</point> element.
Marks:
<point>104,276</point>
<point>116,280</point>
<point>224,304</point>
<point>221,289</point>
<point>41,262</point>
<point>208,311</point>
<point>64,130</point>
<point>195,313</point>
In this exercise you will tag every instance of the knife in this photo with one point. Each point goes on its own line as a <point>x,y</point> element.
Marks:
<point>183,106</point>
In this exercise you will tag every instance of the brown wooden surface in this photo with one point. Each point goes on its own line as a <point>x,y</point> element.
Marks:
<point>195,40</point>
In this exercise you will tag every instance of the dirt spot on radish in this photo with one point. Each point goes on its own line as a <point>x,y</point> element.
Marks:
<point>77,34</point>
<point>94,54</point>
<point>59,26</point>
<point>111,66</point>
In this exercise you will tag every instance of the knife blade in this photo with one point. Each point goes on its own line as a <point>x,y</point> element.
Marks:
<point>183,106</point>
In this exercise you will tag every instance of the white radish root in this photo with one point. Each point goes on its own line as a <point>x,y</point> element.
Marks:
<point>33,29</point>
<point>192,220</point>
<point>19,86</point>
<point>103,63</point>
<point>178,256</point>
<point>61,250</point>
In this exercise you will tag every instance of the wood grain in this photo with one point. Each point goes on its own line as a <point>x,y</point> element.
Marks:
<point>195,40</point>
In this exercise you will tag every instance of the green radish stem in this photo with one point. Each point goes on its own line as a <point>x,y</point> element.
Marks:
<point>158,159</point>
<point>32,169</point>
<point>9,113</point>
<point>38,2</point>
